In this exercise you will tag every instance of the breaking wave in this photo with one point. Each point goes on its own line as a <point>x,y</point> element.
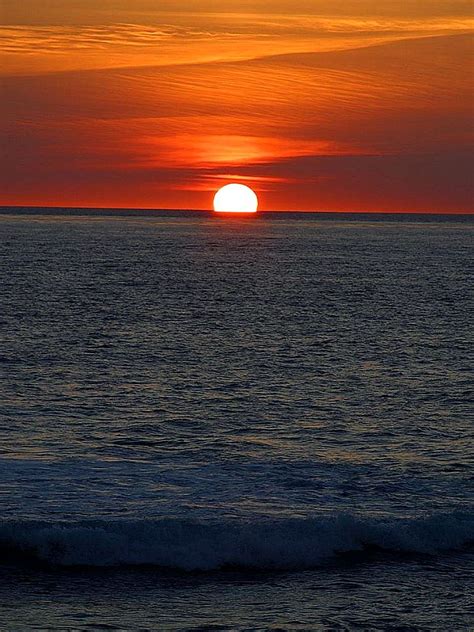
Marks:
<point>191,545</point>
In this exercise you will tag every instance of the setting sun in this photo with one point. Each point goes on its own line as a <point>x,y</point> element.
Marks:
<point>235,198</point>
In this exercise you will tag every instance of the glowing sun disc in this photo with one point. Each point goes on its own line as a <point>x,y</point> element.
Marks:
<point>235,198</point>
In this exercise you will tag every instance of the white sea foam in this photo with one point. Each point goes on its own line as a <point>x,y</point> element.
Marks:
<point>191,545</point>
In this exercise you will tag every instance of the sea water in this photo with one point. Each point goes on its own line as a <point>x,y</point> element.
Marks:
<point>226,422</point>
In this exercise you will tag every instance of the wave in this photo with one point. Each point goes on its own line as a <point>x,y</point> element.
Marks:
<point>191,545</point>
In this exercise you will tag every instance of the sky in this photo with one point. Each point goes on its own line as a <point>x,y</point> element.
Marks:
<point>326,105</point>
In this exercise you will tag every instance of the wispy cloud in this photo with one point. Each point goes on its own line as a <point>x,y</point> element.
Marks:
<point>53,38</point>
<point>41,39</point>
<point>218,37</point>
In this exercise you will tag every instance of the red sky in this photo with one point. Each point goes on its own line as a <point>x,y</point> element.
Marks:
<point>321,105</point>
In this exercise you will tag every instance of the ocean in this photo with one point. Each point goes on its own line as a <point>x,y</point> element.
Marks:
<point>235,423</point>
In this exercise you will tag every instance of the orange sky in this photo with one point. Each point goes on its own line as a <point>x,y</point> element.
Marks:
<point>317,105</point>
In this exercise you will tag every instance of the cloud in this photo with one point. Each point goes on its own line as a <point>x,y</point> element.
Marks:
<point>53,39</point>
<point>93,12</point>
<point>310,128</point>
<point>37,40</point>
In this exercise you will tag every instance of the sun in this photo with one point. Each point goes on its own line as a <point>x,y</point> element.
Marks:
<point>235,198</point>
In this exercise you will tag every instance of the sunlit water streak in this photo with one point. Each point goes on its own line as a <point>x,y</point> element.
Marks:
<point>278,392</point>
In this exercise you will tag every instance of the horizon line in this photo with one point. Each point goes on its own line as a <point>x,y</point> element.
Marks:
<point>38,208</point>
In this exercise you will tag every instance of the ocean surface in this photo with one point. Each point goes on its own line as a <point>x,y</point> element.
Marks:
<point>236,423</point>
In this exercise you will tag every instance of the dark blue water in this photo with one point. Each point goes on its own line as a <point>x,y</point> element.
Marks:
<point>247,423</point>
